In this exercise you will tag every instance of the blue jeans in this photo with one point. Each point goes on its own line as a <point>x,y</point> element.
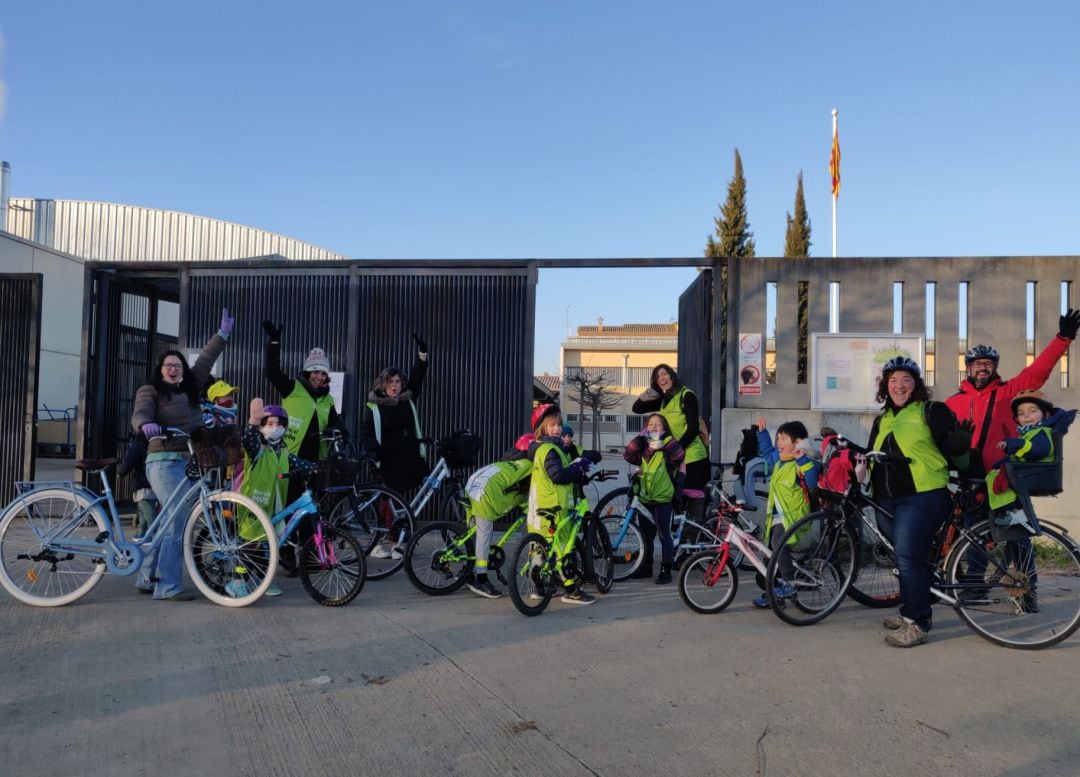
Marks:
<point>916,519</point>
<point>166,564</point>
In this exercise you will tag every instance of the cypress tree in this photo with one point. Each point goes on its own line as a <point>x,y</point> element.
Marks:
<point>797,236</point>
<point>732,227</point>
<point>797,246</point>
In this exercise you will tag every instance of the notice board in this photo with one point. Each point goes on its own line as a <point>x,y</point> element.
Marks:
<point>846,368</point>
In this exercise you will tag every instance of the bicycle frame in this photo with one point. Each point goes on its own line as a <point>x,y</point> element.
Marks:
<point>120,556</point>
<point>750,547</point>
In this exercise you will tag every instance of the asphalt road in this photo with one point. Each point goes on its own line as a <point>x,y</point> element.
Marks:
<point>398,683</point>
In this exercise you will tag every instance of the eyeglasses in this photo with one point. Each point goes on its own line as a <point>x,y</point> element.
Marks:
<point>172,366</point>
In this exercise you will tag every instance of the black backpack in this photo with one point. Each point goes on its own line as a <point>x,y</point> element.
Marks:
<point>748,450</point>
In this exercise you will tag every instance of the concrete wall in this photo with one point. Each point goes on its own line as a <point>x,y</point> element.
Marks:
<point>61,321</point>
<point>996,314</point>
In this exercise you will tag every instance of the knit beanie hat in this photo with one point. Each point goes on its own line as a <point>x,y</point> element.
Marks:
<point>316,361</point>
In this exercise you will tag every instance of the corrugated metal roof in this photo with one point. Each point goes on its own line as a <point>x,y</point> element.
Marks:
<point>111,232</point>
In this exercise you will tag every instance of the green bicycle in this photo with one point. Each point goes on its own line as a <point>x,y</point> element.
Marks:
<point>577,549</point>
<point>440,557</point>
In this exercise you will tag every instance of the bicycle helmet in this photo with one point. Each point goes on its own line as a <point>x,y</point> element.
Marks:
<point>982,352</point>
<point>542,412</point>
<point>275,411</point>
<point>901,363</point>
<point>1036,398</point>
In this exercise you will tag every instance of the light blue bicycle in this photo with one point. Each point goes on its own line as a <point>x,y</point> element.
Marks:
<point>58,538</point>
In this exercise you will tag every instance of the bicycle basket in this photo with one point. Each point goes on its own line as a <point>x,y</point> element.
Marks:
<point>339,472</point>
<point>460,449</point>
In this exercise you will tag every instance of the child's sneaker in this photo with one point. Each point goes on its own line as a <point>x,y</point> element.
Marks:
<point>381,551</point>
<point>237,589</point>
<point>396,553</point>
<point>780,592</point>
<point>273,590</point>
<point>577,596</point>
<point>1015,518</point>
<point>486,589</point>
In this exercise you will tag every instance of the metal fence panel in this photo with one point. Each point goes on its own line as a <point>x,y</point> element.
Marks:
<point>20,332</point>
<point>695,339</point>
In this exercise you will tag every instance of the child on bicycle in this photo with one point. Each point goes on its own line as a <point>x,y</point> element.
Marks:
<point>660,481</point>
<point>554,475</point>
<point>794,476</point>
<point>1036,421</point>
<point>493,492</point>
<point>265,458</point>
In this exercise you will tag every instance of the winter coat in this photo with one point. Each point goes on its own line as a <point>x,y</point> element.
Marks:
<point>311,446</point>
<point>400,461</point>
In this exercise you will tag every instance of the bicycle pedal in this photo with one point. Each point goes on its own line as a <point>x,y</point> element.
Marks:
<point>101,538</point>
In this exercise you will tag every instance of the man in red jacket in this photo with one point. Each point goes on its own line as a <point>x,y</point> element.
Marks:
<point>984,398</point>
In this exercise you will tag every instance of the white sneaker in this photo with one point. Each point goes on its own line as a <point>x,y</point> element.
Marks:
<point>396,554</point>
<point>273,590</point>
<point>381,551</point>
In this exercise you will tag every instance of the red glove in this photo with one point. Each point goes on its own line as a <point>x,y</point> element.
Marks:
<point>1001,482</point>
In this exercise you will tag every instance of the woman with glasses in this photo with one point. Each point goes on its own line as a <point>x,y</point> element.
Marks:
<point>171,400</point>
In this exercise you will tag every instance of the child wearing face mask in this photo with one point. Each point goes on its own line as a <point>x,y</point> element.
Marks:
<point>662,472</point>
<point>794,476</point>
<point>265,457</point>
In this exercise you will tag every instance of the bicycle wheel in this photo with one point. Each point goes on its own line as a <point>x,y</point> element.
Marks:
<point>877,580</point>
<point>215,549</point>
<point>614,503</point>
<point>332,567</point>
<point>599,563</point>
<point>1045,570</point>
<point>452,509</point>
<point>824,562</point>
<point>627,556</point>
<point>533,581</point>
<point>381,522</point>
<point>708,536</point>
<point>704,585</point>
<point>35,573</point>
<point>437,561</point>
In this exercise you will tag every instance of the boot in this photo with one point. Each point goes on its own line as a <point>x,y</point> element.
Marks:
<point>645,570</point>
<point>665,574</point>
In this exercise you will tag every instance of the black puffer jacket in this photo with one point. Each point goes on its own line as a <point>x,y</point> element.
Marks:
<point>398,451</point>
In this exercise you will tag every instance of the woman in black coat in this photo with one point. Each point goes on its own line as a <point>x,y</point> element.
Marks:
<point>391,430</point>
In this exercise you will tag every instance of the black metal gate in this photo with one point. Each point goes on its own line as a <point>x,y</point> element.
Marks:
<point>20,332</point>
<point>695,339</point>
<point>122,344</point>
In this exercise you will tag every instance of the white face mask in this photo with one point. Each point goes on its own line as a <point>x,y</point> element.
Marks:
<point>655,435</point>
<point>274,434</point>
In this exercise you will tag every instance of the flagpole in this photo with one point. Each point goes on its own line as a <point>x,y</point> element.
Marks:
<point>834,112</point>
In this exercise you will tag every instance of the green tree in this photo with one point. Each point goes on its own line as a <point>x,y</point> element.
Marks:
<point>797,237</point>
<point>797,246</point>
<point>732,228</point>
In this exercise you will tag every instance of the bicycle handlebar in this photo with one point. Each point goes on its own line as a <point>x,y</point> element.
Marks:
<point>169,432</point>
<point>889,458</point>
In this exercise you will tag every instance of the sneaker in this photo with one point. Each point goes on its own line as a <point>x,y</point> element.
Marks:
<point>237,589</point>
<point>397,553</point>
<point>764,602</point>
<point>894,622</point>
<point>534,597</point>
<point>578,597</point>
<point>1030,603</point>
<point>381,551</point>
<point>273,590</point>
<point>908,635</point>
<point>486,589</point>
<point>183,596</point>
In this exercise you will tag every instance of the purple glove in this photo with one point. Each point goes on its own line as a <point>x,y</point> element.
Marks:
<point>151,430</point>
<point>226,324</point>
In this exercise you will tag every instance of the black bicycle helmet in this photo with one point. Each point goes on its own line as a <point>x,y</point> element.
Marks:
<point>901,363</point>
<point>982,352</point>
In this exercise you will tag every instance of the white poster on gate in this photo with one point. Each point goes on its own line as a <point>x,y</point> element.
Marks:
<point>750,352</point>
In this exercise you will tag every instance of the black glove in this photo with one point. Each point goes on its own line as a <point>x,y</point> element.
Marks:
<point>594,456</point>
<point>272,332</point>
<point>960,437</point>
<point>421,344</point>
<point>1069,324</point>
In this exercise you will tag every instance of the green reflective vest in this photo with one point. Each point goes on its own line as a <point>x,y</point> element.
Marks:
<point>549,495</point>
<point>302,407</point>
<point>487,488</point>
<point>672,412</point>
<point>786,493</point>
<point>377,420</point>
<point>262,484</point>
<point>908,427</point>
<point>656,484</point>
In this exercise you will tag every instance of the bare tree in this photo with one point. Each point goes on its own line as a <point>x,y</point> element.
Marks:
<point>592,391</point>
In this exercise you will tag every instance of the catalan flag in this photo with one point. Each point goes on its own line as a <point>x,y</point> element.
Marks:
<point>834,163</point>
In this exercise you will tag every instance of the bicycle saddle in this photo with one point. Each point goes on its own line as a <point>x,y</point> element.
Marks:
<point>95,465</point>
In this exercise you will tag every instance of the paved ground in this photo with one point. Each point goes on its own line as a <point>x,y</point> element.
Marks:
<point>401,684</point>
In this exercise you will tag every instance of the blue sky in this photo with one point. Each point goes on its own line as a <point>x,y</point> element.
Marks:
<point>558,129</point>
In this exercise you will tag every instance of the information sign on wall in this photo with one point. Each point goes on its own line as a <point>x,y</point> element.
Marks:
<point>750,348</point>
<point>846,368</point>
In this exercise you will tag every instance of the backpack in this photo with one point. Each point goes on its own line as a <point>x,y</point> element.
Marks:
<point>748,450</point>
